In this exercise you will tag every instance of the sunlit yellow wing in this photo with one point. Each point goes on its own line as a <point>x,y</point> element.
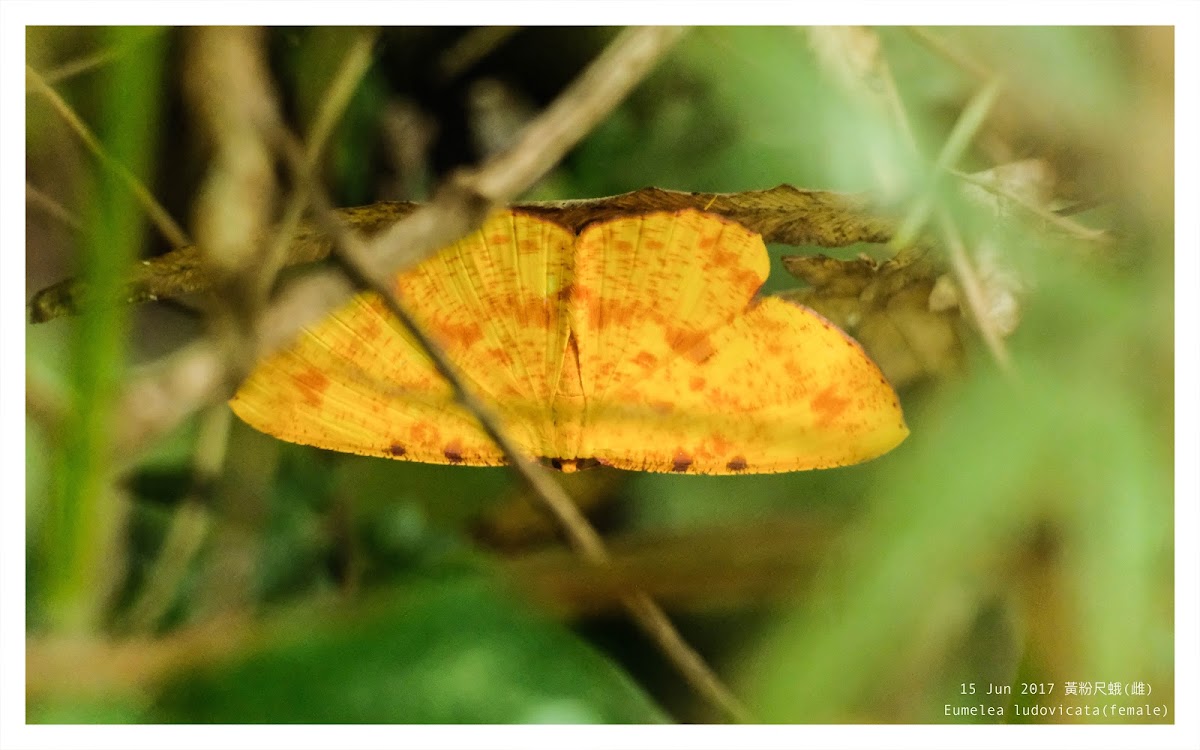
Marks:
<point>650,287</point>
<point>778,389</point>
<point>636,344</point>
<point>356,382</point>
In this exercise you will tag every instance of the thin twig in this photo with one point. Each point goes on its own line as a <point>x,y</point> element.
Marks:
<point>968,123</point>
<point>499,180</point>
<point>333,104</point>
<point>964,129</point>
<point>955,56</point>
<point>36,197</point>
<point>93,60</point>
<point>462,204</point>
<point>158,215</point>
<point>575,112</point>
<point>472,47</point>
<point>1073,228</point>
<point>228,85</point>
<point>353,255</point>
<point>189,525</point>
<point>454,212</point>
<point>199,375</point>
<point>968,279</point>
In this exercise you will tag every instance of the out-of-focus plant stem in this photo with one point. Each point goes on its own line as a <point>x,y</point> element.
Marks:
<point>85,508</point>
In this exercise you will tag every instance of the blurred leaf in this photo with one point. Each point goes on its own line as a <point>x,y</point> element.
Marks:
<point>448,497</point>
<point>107,709</point>
<point>449,651</point>
<point>675,502</point>
<point>988,461</point>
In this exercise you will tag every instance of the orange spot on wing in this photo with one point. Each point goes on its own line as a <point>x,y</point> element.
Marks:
<point>829,405</point>
<point>645,359</point>
<point>427,433</point>
<point>700,351</point>
<point>312,385</point>
<point>460,336</point>
<point>725,258</point>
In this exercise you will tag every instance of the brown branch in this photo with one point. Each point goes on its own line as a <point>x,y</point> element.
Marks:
<point>743,565</point>
<point>474,45</point>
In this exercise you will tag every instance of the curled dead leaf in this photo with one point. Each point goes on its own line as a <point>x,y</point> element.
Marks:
<point>887,308</point>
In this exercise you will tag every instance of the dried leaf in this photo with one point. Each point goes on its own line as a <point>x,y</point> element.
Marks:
<point>887,308</point>
<point>782,214</point>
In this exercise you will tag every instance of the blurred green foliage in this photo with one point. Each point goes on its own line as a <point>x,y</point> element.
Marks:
<point>448,650</point>
<point>1023,533</point>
